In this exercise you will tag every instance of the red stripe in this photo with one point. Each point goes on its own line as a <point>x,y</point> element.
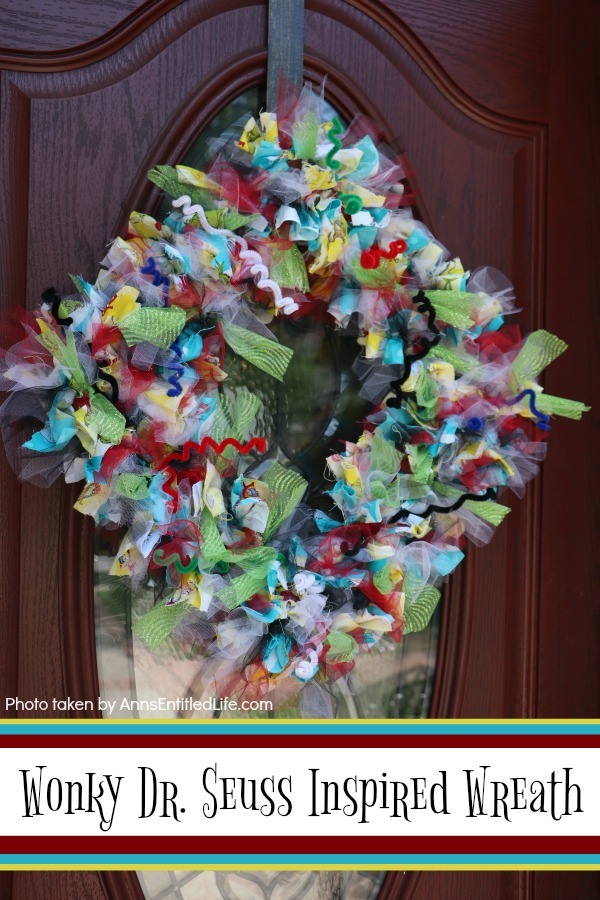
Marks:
<point>277,741</point>
<point>211,845</point>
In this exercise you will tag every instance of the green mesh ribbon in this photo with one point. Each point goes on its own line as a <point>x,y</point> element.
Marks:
<point>66,354</point>
<point>234,417</point>
<point>228,218</point>
<point>167,179</point>
<point>457,361</point>
<point>244,587</point>
<point>384,456</point>
<point>419,603</point>
<point>539,350</point>
<point>214,550</point>
<point>155,626</point>
<point>305,133</point>
<point>286,490</point>
<point>453,307</point>
<point>373,278</point>
<point>341,647</point>
<point>133,487</point>
<point>262,352</point>
<point>558,406</point>
<point>488,510</point>
<point>288,268</point>
<point>256,562</point>
<point>106,419</point>
<point>154,325</point>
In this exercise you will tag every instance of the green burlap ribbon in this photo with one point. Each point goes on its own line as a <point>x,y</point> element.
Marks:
<point>459,362</point>
<point>373,278</point>
<point>245,586</point>
<point>228,218</point>
<point>488,510</point>
<point>420,602</point>
<point>155,626</point>
<point>167,178</point>
<point>106,418</point>
<point>454,307</point>
<point>66,354</point>
<point>264,353</point>
<point>286,490</point>
<point>154,325</point>
<point>539,350</point>
<point>558,406</point>
<point>288,268</point>
<point>235,415</point>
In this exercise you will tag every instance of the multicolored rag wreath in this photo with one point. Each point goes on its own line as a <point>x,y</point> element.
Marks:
<point>126,376</point>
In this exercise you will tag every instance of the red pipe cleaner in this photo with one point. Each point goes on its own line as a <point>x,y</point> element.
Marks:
<point>184,455</point>
<point>370,259</point>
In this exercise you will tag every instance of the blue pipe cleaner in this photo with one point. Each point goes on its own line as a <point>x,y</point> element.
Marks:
<point>157,276</point>
<point>543,419</point>
<point>178,370</point>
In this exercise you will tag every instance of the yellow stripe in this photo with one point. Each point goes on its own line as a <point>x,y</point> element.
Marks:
<point>271,722</point>
<point>112,867</point>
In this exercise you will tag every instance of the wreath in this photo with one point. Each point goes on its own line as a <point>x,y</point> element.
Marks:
<point>128,378</point>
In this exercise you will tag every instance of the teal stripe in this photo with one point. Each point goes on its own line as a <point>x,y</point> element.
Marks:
<point>268,728</point>
<point>182,861</point>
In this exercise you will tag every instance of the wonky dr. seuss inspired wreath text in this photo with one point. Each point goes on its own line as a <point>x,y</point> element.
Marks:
<point>127,378</point>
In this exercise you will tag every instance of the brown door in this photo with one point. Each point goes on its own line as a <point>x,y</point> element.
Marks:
<point>492,103</point>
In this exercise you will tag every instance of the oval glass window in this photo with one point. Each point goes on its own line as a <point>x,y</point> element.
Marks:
<point>304,419</point>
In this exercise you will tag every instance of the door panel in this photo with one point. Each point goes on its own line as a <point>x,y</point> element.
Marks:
<point>500,145</point>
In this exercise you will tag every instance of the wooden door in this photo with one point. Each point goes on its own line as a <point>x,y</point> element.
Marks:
<point>492,103</point>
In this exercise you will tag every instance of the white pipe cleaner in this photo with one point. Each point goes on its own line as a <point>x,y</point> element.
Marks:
<point>258,270</point>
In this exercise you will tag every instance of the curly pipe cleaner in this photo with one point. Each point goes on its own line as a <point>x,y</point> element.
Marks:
<point>178,370</point>
<point>258,270</point>
<point>258,443</point>
<point>157,276</point>
<point>175,559</point>
<point>488,494</point>
<point>424,305</point>
<point>543,421</point>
